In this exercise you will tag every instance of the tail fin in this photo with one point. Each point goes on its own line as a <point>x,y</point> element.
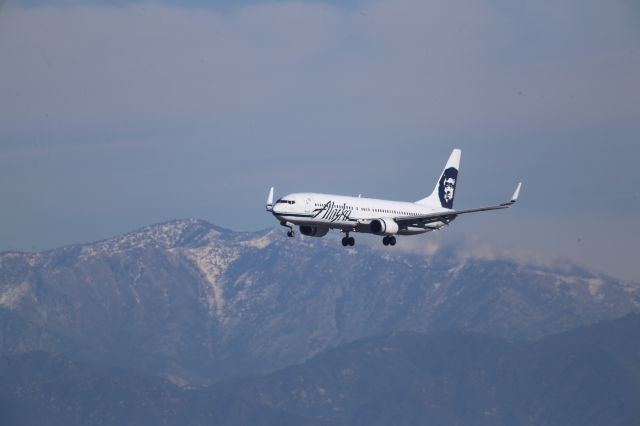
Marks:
<point>444,192</point>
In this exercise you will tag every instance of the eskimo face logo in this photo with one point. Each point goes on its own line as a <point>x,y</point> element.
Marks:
<point>447,187</point>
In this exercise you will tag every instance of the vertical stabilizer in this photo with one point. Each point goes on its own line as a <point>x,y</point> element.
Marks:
<point>444,192</point>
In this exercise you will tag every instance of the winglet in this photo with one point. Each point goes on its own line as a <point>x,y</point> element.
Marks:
<point>270,200</point>
<point>516,193</point>
<point>514,197</point>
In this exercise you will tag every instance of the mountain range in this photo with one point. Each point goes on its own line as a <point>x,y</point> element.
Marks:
<point>194,303</point>
<point>587,376</point>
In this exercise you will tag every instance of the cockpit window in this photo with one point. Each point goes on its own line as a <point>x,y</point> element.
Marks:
<point>285,201</point>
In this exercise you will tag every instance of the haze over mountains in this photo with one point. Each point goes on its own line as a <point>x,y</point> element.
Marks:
<point>189,303</point>
<point>587,376</point>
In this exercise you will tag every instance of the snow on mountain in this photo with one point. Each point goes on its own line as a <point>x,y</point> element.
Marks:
<point>191,301</point>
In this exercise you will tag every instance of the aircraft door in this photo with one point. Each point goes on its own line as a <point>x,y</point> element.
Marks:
<point>308,205</point>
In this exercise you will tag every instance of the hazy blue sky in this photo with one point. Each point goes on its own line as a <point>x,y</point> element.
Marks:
<point>115,115</point>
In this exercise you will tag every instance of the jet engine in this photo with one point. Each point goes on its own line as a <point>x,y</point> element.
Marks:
<point>383,227</point>
<point>313,231</point>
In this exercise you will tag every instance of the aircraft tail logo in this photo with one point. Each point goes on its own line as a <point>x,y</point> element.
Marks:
<point>445,190</point>
<point>447,187</point>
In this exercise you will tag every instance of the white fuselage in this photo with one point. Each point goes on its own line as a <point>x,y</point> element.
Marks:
<point>348,213</point>
<point>316,214</point>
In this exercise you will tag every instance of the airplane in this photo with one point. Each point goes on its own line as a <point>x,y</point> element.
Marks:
<point>315,214</point>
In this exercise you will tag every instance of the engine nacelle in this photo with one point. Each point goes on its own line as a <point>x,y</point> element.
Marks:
<point>384,227</point>
<point>313,231</point>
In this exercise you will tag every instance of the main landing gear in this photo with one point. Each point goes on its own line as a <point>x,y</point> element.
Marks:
<point>389,240</point>
<point>348,241</point>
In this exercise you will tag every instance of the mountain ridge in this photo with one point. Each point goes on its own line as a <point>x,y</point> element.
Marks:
<point>586,376</point>
<point>195,303</point>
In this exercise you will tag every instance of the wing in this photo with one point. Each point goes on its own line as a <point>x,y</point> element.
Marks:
<point>447,216</point>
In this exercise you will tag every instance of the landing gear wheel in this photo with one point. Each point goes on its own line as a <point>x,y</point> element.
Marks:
<point>347,240</point>
<point>392,241</point>
<point>290,232</point>
<point>385,241</point>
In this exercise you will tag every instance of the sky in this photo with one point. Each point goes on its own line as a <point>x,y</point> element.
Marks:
<point>116,115</point>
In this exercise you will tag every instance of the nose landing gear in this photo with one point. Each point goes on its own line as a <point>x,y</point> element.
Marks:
<point>389,240</point>
<point>290,233</point>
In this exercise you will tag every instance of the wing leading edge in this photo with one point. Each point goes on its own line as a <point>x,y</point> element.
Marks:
<point>447,216</point>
